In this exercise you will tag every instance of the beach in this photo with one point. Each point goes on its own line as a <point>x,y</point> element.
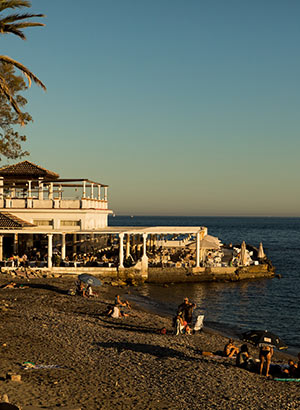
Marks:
<point>83,359</point>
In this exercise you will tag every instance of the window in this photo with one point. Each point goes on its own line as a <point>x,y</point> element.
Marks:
<point>69,223</point>
<point>43,222</point>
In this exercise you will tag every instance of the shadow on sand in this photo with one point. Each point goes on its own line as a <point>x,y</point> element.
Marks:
<point>160,352</point>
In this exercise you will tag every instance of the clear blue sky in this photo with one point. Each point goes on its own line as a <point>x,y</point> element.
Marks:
<point>181,107</point>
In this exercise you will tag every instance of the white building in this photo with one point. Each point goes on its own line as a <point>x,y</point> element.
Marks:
<point>37,205</point>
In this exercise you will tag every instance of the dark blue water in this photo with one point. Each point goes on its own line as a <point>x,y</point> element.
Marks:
<point>271,304</point>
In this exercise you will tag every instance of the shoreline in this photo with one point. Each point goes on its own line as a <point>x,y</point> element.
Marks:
<point>106,363</point>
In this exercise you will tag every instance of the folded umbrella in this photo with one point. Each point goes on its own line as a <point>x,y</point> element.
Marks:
<point>263,337</point>
<point>89,279</point>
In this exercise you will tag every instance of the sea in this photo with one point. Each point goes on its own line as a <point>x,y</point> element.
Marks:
<point>232,308</point>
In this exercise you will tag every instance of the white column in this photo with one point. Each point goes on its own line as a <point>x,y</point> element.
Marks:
<point>63,246</point>
<point>92,191</point>
<point>198,250</point>
<point>50,192</point>
<point>29,189</point>
<point>1,187</point>
<point>1,247</point>
<point>84,189</point>
<point>16,243</point>
<point>99,192</point>
<point>145,244</point>
<point>121,252</point>
<point>105,193</point>
<point>128,246</point>
<point>60,192</point>
<point>50,237</point>
<point>13,191</point>
<point>41,187</point>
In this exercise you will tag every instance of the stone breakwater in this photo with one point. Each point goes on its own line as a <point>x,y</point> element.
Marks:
<point>105,363</point>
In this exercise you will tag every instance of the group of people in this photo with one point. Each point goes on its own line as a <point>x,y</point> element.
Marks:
<point>182,323</point>
<point>246,361</point>
<point>183,319</point>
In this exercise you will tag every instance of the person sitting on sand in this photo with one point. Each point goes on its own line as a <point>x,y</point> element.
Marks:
<point>292,369</point>
<point>265,355</point>
<point>243,358</point>
<point>10,285</point>
<point>89,292</point>
<point>80,289</point>
<point>116,313</point>
<point>230,349</point>
<point>119,302</point>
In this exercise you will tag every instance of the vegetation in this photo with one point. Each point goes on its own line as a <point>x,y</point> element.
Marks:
<point>10,84</point>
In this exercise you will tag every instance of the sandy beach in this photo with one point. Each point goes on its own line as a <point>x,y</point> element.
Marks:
<point>86,360</point>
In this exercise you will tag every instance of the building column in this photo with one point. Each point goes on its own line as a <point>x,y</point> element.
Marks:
<point>16,239</point>
<point>1,187</point>
<point>92,191</point>
<point>105,193</point>
<point>60,192</point>
<point>99,192</point>
<point>145,235</point>
<point>128,246</point>
<point>29,189</point>
<point>41,187</point>
<point>198,250</point>
<point>50,237</point>
<point>84,189</point>
<point>121,251</point>
<point>1,247</point>
<point>50,192</point>
<point>63,246</point>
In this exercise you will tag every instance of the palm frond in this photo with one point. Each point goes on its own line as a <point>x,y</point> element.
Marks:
<point>16,28</point>
<point>16,17</point>
<point>13,4</point>
<point>28,74</point>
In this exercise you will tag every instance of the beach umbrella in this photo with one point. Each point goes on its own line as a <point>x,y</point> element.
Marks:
<point>263,337</point>
<point>261,253</point>
<point>89,279</point>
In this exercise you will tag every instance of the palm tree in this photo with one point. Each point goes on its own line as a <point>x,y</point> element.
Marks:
<point>14,24</point>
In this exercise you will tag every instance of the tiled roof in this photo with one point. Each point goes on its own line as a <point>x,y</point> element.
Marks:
<point>8,221</point>
<point>26,169</point>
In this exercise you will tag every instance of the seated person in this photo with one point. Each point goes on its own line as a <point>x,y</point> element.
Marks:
<point>89,291</point>
<point>119,302</point>
<point>10,285</point>
<point>181,325</point>
<point>230,349</point>
<point>116,313</point>
<point>291,370</point>
<point>80,289</point>
<point>243,358</point>
<point>265,355</point>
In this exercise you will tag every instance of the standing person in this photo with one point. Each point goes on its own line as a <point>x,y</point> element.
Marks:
<point>186,310</point>
<point>265,354</point>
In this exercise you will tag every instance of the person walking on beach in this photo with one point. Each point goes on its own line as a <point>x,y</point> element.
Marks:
<point>186,310</point>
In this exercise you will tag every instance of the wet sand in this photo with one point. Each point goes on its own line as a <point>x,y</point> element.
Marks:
<point>106,363</point>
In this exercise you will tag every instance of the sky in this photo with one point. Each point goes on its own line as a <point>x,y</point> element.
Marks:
<point>181,107</point>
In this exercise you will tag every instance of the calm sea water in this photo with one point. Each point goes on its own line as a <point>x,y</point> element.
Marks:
<point>271,304</point>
